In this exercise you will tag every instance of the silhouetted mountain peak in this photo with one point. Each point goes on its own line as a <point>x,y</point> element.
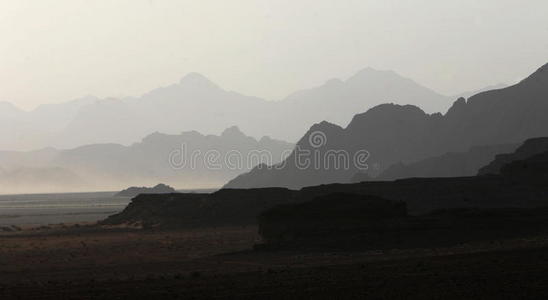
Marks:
<point>389,111</point>
<point>233,131</point>
<point>457,107</point>
<point>404,117</point>
<point>391,108</point>
<point>333,82</point>
<point>319,133</point>
<point>154,137</point>
<point>194,79</point>
<point>324,125</point>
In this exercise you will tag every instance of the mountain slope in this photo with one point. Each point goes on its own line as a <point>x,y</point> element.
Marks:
<point>383,135</point>
<point>393,133</point>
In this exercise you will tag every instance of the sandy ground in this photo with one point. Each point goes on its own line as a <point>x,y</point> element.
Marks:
<point>82,252</point>
<point>123,263</point>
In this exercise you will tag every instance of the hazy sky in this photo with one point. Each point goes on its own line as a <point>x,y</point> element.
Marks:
<point>57,50</point>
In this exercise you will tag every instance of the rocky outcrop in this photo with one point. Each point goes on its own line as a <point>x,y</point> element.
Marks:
<point>157,189</point>
<point>532,170</point>
<point>439,228</point>
<point>327,214</point>
<point>224,207</point>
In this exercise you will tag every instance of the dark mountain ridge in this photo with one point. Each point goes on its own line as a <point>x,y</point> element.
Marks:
<point>392,133</point>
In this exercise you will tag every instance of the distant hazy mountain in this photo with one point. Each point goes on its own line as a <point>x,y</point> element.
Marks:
<point>186,160</point>
<point>393,133</point>
<point>37,128</point>
<point>338,101</point>
<point>196,103</point>
<point>453,164</point>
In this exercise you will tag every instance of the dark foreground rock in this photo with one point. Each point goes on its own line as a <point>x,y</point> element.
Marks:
<point>521,184</point>
<point>237,207</point>
<point>364,222</point>
<point>421,195</point>
<point>320,218</point>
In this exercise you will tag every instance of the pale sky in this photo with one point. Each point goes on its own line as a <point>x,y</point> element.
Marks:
<point>57,50</point>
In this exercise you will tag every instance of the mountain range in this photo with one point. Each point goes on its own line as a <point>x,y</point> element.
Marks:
<point>400,140</point>
<point>196,103</point>
<point>391,134</point>
<point>28,130</point>
<point>187,160</point>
